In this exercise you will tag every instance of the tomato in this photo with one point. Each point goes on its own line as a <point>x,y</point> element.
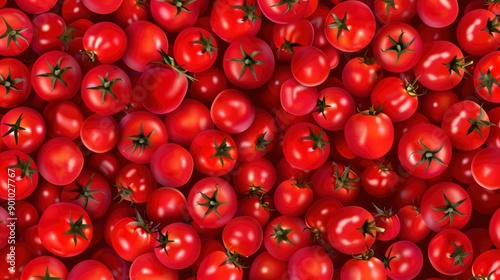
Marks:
<point>118,266</point>
<point>248,62</point>
<point>90,269</point>
<point>493,230</point>
<point>319,213</point>
<point>35,7</point>
<point>413,227</point>
<point>106,164</point>
<point>135,183</point>
<point>437,13</point>
<point>175,15</point>
<point>242,235</point>
<point>106,89</point>
<point>23,129</point>
<point>441,66</point>
<point>64,119</point>
<point>195,49</point>
<point>235,19</point>
<point>56,76</point>
<point>232,111</point>
<point>148,266</point>
<point>450,252</point>
<point>289,38</point>
<point>425,151</point>
<point>15,83</point>
<point>267,267</point>
<point>487,264</point>
<point>310,66</point>
<point>44,266</point>
<point>397,10</point>
<point>337,181</point>
<point>360,75</point>
<point>494,137</point>
<point>487,77</point>
<point>345,21</point>
<point>398,47</point>
<point>446,205</point>
<point>404,260</point>
<point>178,246</point>
<point>293,197</point>
<point>166,205</point>
<point>16,31</point>
<point>379,180</point>
<point>105,42</point>
<point>483,200</point>
<point>131,11</point>
<point>50,33</point>
<point>284,236</point>
<point>435,103</point>
<point>478,26</point>
<point>214,152</point>
<point>220,265</point>
<point>369,134</point>
<point>257,207</point>
<point>366,268</point>
<point>141,133</point>
<point>102,7</point>
<point>99,133</point>
<point>483,164</point>
<point>73,10</point>
<point>172,165</point>
<point>59,161</point>
<point>298,99</point>
<point>187,121</point>
<point>255,177</point>
<point>311,263</point>
<point>26,214</point>
<point>208,84</point>
<point>283,12</point>
<point>145,40</point>
<point>334,107</point>
<point>65,229</point>
<point>132,237</point>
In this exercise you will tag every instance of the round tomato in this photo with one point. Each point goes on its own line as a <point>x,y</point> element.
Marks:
<point>487,265</point>
<point>450,252</point>
<point>379,180</point>
<point>310,66</point>
<point>435,103</point>
<point>360,75</point>
<point>483,165</point>
<point>293,197</point>
<point>437,14</point>
<point>36,7</point>
<point>483,200</point>
<point>318,215</point>
<point>99,133</point>
<point>397,10</point>
<point>242,235</point>
<point>23,129</point>
<point>477,32</point>
<point>166,205</point>
<point>147,266</point>
<point>59,161</point>
<point>235,19</point>
<point>220,265</point>
<point>90,269</point>
<point>413,227</point>
<point>131,11</point>
<point>64,119</point>
<point>44,267</point>
<point>298,99</point>
<point>208,84</point>
<point>310,263</point>
<point>255,177</point>
<point>334,107</point>
<point>365,268</point>
<point>404,260</point>
<point>175,15</point>
<point>135,183</point>
<point>19,176</point>
<point>102,7</point>
<point>338,181</point>
<point>267,267</point>
<point>284,236</point>
<point>172,165</point>
<point>487,77</point>
<point>50,33</point>
<point>178,246</point>
<point>195,49</point>
<point>232,111</point>
<point>494,229</point>
<point>15,83</point>
<point>289,38</point>
<point>105,42</point>
<point>257,207</point>
<point>16,32</point>
<point>283,12</point>
<point>214,153</point>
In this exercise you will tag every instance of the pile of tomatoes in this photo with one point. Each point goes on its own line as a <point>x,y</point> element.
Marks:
<point>249,139</point>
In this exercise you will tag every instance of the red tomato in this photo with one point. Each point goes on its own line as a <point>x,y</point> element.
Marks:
<point>178,246</point>
<point>487,77</point>
<point>176,15</point>
<point>64,119</point>
<point>214,153</point>
<point>437,13</point>
<point>450,252</point>
<point>256,207</point>
<point>99,133</point>
<point>334,107</point>
<point>319,213</point>
<point>220,265</point>
<point>235,19</point>
<point>105,42</point>
<point>131,11</point>
<point>310,66</point>
<point>435,103</point>
<point>494,229</point>
<point>379,180</point>
<point>483,165</point>
<point>118,266</point>
<point>267,267</point>
<point>285,236</point>
<point>35,7</point>
<point>50,33</point>
<point>47,266</point>
<point>404,260</point>
<point>283,12</point>
<point>171,165</point>
<point>147,266</point>
<point>293,197</point>
<point>59,161</point>
<point>289,38</point>
<point>23,129</point>
<point>242,235</point>
<point>135,183</point>
<point>487,264</point>
<point>73,10</point>
<point>311,263</point>
<point>90,269</point>
<point>298,99</point>
<point>360,75</point>
<point>397,10</point>
<point>102,7</point>
<point>166,205</point>
<point>19,176</point>
<point>232,111</point>
<point>255,177</point>
<point>16,31</point>
<point>15,83</point>
<point>369,268</point>
<point>106,164</point>
<point>338,181</point>
<point>483,200</point>
<point>195,49</point>
<point>413,227</point>
<point>65,229</point>
<point>494,137</point>
<point>477,32</point>
<point>208,84</point>
<point>344,24</point>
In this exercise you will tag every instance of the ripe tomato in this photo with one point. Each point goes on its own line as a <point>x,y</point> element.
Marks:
<point>73,10</point>
<point>59,161</point>
<point>344,24</point>
<point>425,151</point>
<point>494,137</point>
<point>435,103</point>
<point>445,205</point>
<point>195,49</point>
<point>437,14</point>
<point>166,205</point>
<point>235,19</point>
<point>369,134</point>
<point>289,38</point>
<point>232,111</point>
<point>64,119</point>
<point>413,227</point>
<point>493,229</point>
<point>441,66</point>
<point>298,99</point>
<point>450,252</point>
<point>214,153</point>
<point>404,260</point>
<point>50,33</point>
<point>106,164</point>
<point>208,84</point>
<point>483,200</point>
<point>337,181</point>
<point>484,162</point>
<point>19,176</point>
<point>35,7</point>
<point>311,261</point>
<point>65,229</point>
<point>178,246</point>
<point>487,77</point>
<point>47,266</point>
<point>187,121</point>
<point>56,76</point>
<point>171,165</point>
<point>99,133</point>
<point>365,268</point>
<point>141,133</point>
<point>487,264</point>
<point>212,202</point>
<point>15,83</point>
<point>255,177</point>
<point>284,236</point>
<point>147,266</point>
<point>310,66</point>
<point>360,75</point>
<point>90,269</point>
<point>242,235</point>
<point>283,12</point>
<point>257,207</point>
<point>23,129</point>
<point>118,266</point>
<point>102,7</point>
<point>105,42</point>
<point>176,15</point>
<point>248,62</point>
<point>293,197</point>
<point>334,107</point>
<point>135,183</point>
<point>477,32</point>
<point>379,180</point>
<point>131,11</point>
<point>106,89</point>
<point>397,10</point>
<point>16,32</point>
<point>267,267</point>
<point>318,215</point>
<point>220,265</point>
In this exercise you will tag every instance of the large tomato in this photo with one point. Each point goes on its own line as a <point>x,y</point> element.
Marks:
<point>44,266</point>
<point>60,161</point>
<point>450,252</point>
<point>23,129</point>
<point>487,265</point>
<point>15,83</point>
<point>105,42</point>
<point>437,14</point>
<point>16,32</point>
<point>284,236</point>
<point>483,164</point>
<point>404,260</point>
<point>171,165</point>
<point>19,176</point>
<point>477,32</point>
<point>487,77</point>
<point>214,153</point>
<point>367,267</point>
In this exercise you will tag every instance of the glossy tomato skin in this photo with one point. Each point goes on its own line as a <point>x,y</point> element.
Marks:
<point>175,16</point>
<point>494,137</point>
<point>254,177</point>
<point>493,228</point>
<point>195,49</point>
<point>40,265</point>
<point>360,75</point>
<point>60,161</point>
<point>354,18</point>
<point>130,11</point>
<point>329,182</point>
<point>172,165</point>
<point>73,10</point>
<point>23,129</point>
<point>242,235</point>
<point>435,103</point>
<point>487,264</point>
<point>473,28</point>
<point>379,180</point>
<point>267,267</point>
<point>102,7</point>
<point>230,21</point>
<point>99,133</point>
<point>318,19</point>
<point>232,111</point>
<point>135,183</point>
<point>13,164</point>
<point>363,269</point>
<point>211,268</point>
<point>287,36</point>
<point>107,164</point>
<point>130,238</point>
<point>334,107</point>
<point>442,250</point>
<point>280,12</point>
<point>485,160</point>
<point>214,153</point>
<point>208,84</point>
<point>148,266</point>
<point>64,119</point>
<point>296,98</point>
<point>48,33</point>
<point>55,222</point>
<point>292,198</point>
<point>319,213</point>
<point>260,68</point>
<point>222,200</point>
<point>398,98</point>
<point>166,205</point>
<point>257,208</point>
<point>399,10</point>
<point>118,266</point>
<point>105,42</point>
<point>413,227</point>
<point>486,71</point>
<point>284,236</point>
<point>178,246</point>
<point>90,269</point>
<point>310,66</point>
<point>19,78</point>
<point>407,260</point>
<point>17,20</point>
<point>437,14</point>
<point>483,200</point>
<point>311,263</point>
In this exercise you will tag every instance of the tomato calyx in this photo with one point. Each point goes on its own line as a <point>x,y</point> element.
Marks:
<point>449,209</point>
<point>365,256</point>
<point>124,193</point>
<point>458,63</point>
<point>67,36</point>
<point>487,81</point>
<point>386,260</point>
<point>85,192</point>
<point>317,139</point>
<point>222,151</point>
<point>106,86</point>
<point>56,73</point>
<point>399,46</point>
<point>338,23</point>
<point>163,239</point>
<point>481,277</point>
<point>250,12</point>
<point>47,275</point>
<point>281,234</point>
<point>372,111</point>
<point>13,34</point>
<point>25,167</point>
<point>233,258</point>
<point>211,202</point>
<point>287,47</point>
<point>428,155</point>
<point>300,183</point>
<point>288,3</point>
<point>206,43</point>
<point>369,227</point>
<point>478,122</point>
<point>412,87</point>
<point>14,128</point>
<point>140,141</point>
<point>383,166</point>
<point>382,212</point>
<point>367,60</point>
<point>142,223</point>
<point>76,228</point>
<point>321,104</point>
<point>90,55</point>
<point>248,61</point>
<point>170,61</point>
<point>343,180</point>
<point>9,83</point>
<point>261,143</point>
<point>389,4</point>
<point>492,26</point>
<point>255,191</point>
<point>180,5</point>
<point>459,255</point>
